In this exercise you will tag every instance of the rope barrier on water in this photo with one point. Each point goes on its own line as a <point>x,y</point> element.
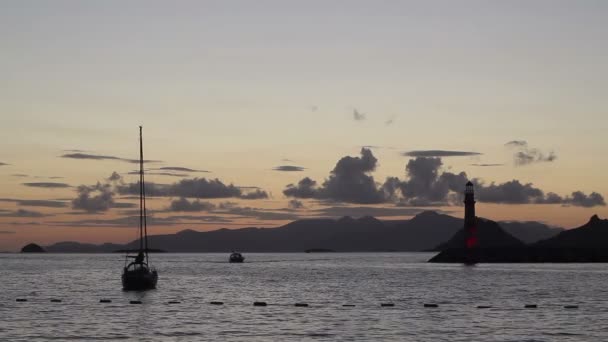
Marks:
<point>298,304</point>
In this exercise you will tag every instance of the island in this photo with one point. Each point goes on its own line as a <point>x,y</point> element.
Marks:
<point>32,248</point>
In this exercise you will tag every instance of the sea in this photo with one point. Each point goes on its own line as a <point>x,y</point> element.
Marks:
<point>350,297</point>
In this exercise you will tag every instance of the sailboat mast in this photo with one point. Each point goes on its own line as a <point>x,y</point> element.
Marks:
<point>141,191</point>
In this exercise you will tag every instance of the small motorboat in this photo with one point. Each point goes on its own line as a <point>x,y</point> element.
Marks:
<point>236,257</point>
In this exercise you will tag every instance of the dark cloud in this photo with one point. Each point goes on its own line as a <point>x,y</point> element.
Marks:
<point>102,157</point>
<point>439,153</point>
<point>7,232</point>
<point>525,155</point>
<point>23,213</point>
<point>289,168</point>
<point>3,164</point>
<point>22,175</point>
<point>341,211</point>
<point>530,156</point>
<point>487,165</point>
<point>580,199</point>
<point>193,188</point>
<point>133,221</point>
<point>260,214</point>
<point>511,192</point>
<point>295,204</point>
<point>115,177</point>
<point>517,143</point>
<point>56,177</point>
<point>36,203</point>
<point>426,184</point>
<point>179,169</point>
<point>256,194</point>
<point>182,204</point>
<point>390,121</point>
<point>170,174</point>
<point>123,205</point>
<point>96,198</point>
<point>49,185</point>
<point>348,182</point>
<point>358,116</point>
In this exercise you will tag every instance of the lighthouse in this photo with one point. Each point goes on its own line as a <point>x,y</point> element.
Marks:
<point>470,221</point>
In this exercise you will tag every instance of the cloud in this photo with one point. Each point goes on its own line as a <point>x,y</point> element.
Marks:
<point>295,204</point>
<point>260,214</point>
<point>182,204</point>
<point>517,143</point>
<point>102,157</point>
<point>486,165</point>
<point>348,182</point>
<point>257,194</point>
<point>132,221</point>
<point>358,116</point>
<point>36,203</point>
<point>580,199</point>
<point>49,185</point>
<point>530,156</point>
<point>526,156</point>
<point>390,121</point>
<point>179,169</point>
<point>289,168</point>
<point>115,177</point>
<point>511,192</point>
<point>7,232</point>
<point>22,175</point>
<point>96,198</point>
<point>23,213</point>
<point>426,184</point>
<point>439,153</point>
<point>192,188</point>
<point>3,164</point>
<point>170,174</point>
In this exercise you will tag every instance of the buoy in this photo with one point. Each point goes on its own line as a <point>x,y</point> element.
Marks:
<point>384,305</point>
<point>431,305</point>
<point>173,302</point>
<point>484,307</point>
<point>570,306</point>
<point>105,301</point>
<point>259,304</point>
<point>217,303</point>
<point>531,306</point>
<point>349,305</point>
<point>301,305</point>
<point>21,300</point>
<point>55,300</point>
<point>135,302</point>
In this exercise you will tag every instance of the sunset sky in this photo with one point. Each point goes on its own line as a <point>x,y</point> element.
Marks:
<point>240,99</point>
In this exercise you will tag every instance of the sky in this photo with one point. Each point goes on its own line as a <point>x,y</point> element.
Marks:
<point>280,110</point>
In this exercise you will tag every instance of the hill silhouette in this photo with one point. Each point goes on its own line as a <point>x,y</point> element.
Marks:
<point>593,234</point>
<point>424,231</point>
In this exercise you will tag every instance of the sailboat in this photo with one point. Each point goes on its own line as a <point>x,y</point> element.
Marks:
<point>137,274</point>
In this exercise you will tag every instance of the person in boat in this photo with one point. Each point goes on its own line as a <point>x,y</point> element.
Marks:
<point>139,259</point>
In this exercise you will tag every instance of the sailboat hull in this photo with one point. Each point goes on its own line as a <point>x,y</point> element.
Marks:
<point>139,281</point>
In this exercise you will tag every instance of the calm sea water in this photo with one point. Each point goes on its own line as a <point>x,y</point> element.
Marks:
<point>324,281</point>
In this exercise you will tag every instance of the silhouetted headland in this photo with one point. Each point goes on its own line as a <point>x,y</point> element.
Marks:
<point>32,248</point>
<point>588,243</point>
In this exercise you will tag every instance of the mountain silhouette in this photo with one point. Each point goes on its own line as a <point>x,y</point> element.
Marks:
<point>424,231</point>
